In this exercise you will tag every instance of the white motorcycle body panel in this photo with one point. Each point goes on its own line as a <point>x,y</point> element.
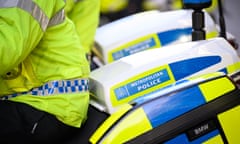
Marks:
<point>146,30</point>
<point>130,77</point>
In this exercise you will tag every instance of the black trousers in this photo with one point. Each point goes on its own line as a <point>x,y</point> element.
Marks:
<point>94,120</point>
<point>21,123</point>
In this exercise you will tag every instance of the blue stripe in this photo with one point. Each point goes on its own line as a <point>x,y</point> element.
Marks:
<point>40,88</point>
<point>68,84</point>
<point>188,67</point>
<point>80,88</point>
<point>34,92</point>
<point>61,89</point>
<point>164,37</point>
<point>76,82</point>
<point>224,70</point>
<point>182,139</point>
<point>168,107</point>
<point>196,1</point>
<point>73,88</point>
<point>45,86</point>
<point>172,35</point>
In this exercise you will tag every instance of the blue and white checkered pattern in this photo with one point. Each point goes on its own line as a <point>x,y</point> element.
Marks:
<point>56,87</point>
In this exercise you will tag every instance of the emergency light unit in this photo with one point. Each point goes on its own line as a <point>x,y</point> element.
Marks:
<point>145,30</point>
<point>130,77</point>
<point>192,111</point>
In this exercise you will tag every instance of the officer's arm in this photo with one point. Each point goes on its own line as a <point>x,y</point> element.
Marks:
<point>19,34</point>
<point>22,24</point>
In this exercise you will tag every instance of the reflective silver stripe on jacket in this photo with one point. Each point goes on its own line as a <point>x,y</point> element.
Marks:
<point>35,11</point>
<point>56,87</point>
<point>57,18</point>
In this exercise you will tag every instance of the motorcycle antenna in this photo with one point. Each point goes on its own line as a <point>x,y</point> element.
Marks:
<point>198,22</point>
<point>221,20</point>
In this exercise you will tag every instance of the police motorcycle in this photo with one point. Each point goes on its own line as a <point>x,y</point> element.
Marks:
<point>182,93</point>
<point>143,31</point>
<point>147,30</point>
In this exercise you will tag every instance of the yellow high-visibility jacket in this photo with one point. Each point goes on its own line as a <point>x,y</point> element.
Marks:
<point>40,50</point>
<point>85,15</point>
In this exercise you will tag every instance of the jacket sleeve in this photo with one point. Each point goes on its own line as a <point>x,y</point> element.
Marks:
<point>85,15</point>
<point>19,34</point>
<point>22,25</point>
